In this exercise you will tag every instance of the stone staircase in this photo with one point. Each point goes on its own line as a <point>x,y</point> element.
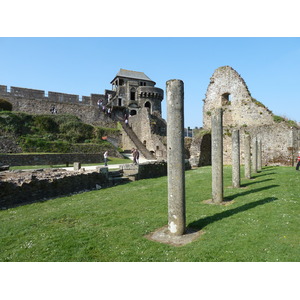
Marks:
<point>117,177</point>
<point>139,145</point>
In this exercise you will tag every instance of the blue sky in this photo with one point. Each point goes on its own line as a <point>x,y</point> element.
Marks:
<point>269,66</point>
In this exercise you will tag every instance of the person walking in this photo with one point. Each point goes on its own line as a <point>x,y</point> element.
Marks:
<point>298,160</point>
<point>134,154</point>
<point>105,156</point>
<point>137,156</point>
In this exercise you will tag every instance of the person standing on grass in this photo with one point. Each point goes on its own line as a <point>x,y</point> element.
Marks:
<point>298,159</point>
<point>105,156</point>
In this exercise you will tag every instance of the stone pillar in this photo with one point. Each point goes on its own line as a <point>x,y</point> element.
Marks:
<point>254,156</point>
<point>259,155</point>
<point>175,157</point>
<point>77,166</point>
<point>236,177</point>
<point>247,154</point>
<point>217,155</point>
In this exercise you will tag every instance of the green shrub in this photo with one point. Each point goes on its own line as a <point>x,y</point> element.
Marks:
<point>99,132</point>
<point>17,123</point>
<point>30,144</point>
<point>5,105</point>
<point>45,124</point>
<point>76,132</point>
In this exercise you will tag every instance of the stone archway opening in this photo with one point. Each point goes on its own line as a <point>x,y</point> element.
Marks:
<point>225,98</point>
<point>133,112</point>
<point>205,151</point>
<point>148,105</point>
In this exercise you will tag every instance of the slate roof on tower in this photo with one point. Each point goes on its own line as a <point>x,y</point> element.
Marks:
<point>133,75</point>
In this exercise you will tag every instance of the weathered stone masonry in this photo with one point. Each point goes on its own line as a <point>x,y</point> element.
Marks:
<point>36,102</point>
<point>229,91</point>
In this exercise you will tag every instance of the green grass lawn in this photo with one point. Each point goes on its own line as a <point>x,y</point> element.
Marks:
<point>261,223</point>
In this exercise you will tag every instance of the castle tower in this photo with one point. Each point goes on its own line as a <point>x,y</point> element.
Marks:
<point>132,91</point>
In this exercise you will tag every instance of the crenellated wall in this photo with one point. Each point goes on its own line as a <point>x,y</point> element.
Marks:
<point>36,102</point>
<point>33,94</point>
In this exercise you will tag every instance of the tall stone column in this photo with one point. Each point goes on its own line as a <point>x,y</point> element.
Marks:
<point>259,155</point>
<point>254,155</point>
<point>247,154</point>
<point>175,152</point>
<point>236,177</point>
<point>217,155</point>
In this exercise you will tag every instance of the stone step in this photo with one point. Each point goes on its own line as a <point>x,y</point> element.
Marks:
<point>117,173</point>
<point>118,180</point>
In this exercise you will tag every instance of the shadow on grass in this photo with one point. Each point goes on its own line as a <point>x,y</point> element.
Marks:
<point>200,224</point>
<point>262,174</point>
<point>255,182</point>
<point>229,198</point>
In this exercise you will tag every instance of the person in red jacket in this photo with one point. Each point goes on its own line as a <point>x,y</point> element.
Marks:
<point>298,159</point>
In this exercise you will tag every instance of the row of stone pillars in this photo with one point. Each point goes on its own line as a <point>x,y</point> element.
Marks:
<point>176,165</point>
<point>217,156</point>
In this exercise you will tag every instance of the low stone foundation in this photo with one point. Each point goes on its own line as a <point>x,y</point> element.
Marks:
<point>22,187</point>
<point>148,169</point>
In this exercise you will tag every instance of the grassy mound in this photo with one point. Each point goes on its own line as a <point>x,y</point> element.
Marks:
<point>54,133</point>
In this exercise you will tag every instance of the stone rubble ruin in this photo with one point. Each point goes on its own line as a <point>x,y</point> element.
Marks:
<point>228,90</point>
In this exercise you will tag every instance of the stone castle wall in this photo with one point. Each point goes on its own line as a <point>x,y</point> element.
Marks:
<point>36,102</point>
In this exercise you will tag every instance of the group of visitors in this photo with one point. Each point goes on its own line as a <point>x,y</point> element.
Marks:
<point>135,152</point>
<point>105,110</point>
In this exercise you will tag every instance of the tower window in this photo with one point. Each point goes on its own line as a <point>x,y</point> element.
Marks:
<point>148,105</point>
<point>132,94</point>
<point>226,98</point>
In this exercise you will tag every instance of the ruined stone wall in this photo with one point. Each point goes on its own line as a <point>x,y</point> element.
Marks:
<point>277,144</point>
<point>280,144</point>
<point>149,169</point>
<point>24,187</point>
<point>228,90</point>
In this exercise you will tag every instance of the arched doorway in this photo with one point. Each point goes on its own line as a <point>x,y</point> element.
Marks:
<point>148,105</point>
